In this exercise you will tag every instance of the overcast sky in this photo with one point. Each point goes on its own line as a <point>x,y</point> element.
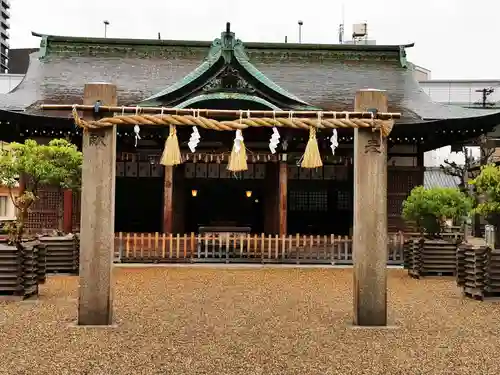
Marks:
<point>456,39</point>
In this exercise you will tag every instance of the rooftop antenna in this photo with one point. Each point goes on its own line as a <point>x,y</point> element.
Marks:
<point>106,24</point>
<point>341,27</point>
<point>159,36</point>
<point>286,39</point>
<point>300,30</point>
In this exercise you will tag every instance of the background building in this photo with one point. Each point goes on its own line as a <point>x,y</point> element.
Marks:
<point>481,94</point>
<point>4,35</point>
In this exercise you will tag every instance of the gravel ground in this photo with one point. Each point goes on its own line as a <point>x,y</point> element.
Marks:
<point>250,321</point>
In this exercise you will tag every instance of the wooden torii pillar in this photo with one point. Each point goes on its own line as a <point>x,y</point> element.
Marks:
<point>95,305</point>
<point>370,216</point>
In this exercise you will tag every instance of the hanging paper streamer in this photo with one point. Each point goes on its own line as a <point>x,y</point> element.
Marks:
<point>238,140</point>
<point>137,130</point>
<point>238,158</point>
<point>194,139</point>
<point>334,140</point>
<point>275,140</point>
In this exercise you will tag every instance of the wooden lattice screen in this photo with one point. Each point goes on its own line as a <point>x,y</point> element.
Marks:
<point>400,182</point>
<point>44,213</point>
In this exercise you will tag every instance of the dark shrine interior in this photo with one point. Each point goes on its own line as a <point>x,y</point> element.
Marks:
<point>314,207</point>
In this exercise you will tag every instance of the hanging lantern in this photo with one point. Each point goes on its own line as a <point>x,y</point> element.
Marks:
<point>248,193</point>
<point>194,192</point>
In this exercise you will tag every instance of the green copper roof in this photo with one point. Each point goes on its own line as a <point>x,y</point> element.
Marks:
<point>227,96</point>
<point>226,69</point>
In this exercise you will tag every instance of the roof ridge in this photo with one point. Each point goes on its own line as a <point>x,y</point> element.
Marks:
<point>207,43</point>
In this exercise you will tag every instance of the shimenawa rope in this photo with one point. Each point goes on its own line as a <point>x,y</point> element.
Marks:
<point>171,154</point>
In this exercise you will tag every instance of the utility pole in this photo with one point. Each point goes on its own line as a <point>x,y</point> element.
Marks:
<point>106,24</point>
<point>300,30</point>
<point>484,96</point>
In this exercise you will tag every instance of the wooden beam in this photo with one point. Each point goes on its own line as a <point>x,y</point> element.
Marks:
<point>218,112</point>
<point>283,196</point>
<point>68,211</point>
<point>97,215</point>
<point>167,199</point>
<point>370,217</point>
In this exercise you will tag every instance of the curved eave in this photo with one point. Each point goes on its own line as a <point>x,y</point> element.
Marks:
<point>227,96</point>
<point>23,117</point>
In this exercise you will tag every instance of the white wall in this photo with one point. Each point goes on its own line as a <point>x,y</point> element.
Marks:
<point>435,158</point>
<point>9,82</point>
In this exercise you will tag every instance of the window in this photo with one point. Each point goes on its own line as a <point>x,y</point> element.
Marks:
<point>4,203</point>
<point>308,201</point>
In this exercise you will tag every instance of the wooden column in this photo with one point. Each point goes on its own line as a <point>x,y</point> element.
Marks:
<point>68,211</point>
<point>97,214</point>
<point>167,200</point>
<point>370,217</point>
<point>283,195</point>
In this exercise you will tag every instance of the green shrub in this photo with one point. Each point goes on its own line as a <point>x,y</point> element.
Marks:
<point>429,208</point>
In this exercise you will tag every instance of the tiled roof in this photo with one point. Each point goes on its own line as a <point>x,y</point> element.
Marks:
<point>436,177</point>
<point>326,76</point>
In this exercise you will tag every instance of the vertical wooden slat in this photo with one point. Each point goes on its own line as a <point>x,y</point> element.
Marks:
<point>163,246</point>
<point>340,248</point>
<point>185,245</point>
<point>149,245</point>
<point>304,254</point>
<point>346,247</point>
<point>157,237</point>
<point>127,245</point>
<point>262,246</point>
<point>142,245</point>
<point>283,246</point>
<point>277,247</point>
<point>290,238</point>
<point>332,249</point>
<point>269,247</point>
<point>297,247</point>
<point>192,245</point>
<point>324,252</point>
<point>227,248</point>
<point>242,238</point>
<point>120,246</point>
<point>170,246</point>
<point>135,246</point>
<point>177,249</point>
<point>312,247</point>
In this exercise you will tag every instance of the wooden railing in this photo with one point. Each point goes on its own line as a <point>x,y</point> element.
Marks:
<point>243,248</point>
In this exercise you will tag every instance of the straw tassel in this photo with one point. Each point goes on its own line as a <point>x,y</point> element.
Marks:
<point>172,153</point>
<point>238,158</point>
<point>312,157</point>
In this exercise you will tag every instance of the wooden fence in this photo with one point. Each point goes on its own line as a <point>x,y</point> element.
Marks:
<point>243,248</point>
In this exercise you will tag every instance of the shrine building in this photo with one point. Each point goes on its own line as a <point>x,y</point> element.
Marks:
<point>228,73</point>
